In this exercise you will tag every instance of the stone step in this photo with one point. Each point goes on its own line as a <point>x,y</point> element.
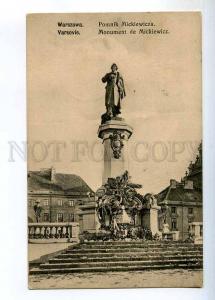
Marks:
<point>38,271</point>
<point>142,244</point>
<point>125,249</point>
<point>126,246</point>
<point>140,241</point>
<point>124,258</point>
<point>135,242</point>
<point>118,263</point>
<point>127,253</point>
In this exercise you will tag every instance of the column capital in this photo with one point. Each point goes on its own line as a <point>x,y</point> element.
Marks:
<point>114,125</point>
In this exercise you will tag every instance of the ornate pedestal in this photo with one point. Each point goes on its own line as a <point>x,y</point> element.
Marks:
<point>115,135</point>
<point>88,217</point>
<point>169,235</point>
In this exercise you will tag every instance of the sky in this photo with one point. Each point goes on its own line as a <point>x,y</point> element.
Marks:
<point>162,75</point>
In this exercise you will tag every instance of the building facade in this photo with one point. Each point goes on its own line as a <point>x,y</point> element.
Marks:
<point>181,202</point>
<point>55,196</point>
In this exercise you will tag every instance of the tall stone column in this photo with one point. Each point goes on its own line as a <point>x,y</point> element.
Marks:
<point>150,214</point>
<point>115,135</point>
<point>150,218</point>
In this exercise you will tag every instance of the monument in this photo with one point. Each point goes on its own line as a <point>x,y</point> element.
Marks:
<point>118,202</point>
<point>118,207</point>
<point>114,131</point>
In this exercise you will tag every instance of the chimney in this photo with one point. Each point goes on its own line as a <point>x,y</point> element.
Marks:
<point>173,183</point>
<point>188,185</point>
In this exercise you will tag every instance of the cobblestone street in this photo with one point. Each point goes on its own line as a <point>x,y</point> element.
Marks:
<point>138,279</point>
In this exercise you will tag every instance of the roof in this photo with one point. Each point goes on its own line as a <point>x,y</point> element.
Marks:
<point>194,172</point>
<point>39,180</point>
<point>180,194</point>
<point>177,191</point>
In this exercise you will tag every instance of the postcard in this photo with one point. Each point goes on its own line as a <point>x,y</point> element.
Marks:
<point>114,103</point>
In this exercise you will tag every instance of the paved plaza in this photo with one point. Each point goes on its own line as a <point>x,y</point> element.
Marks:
<point>138,279</point>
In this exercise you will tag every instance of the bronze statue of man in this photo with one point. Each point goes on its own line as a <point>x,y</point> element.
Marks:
<point>115,91</point>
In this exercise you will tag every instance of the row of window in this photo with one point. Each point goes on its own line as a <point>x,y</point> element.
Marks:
<point>174,225</point>
<point>174,210</point>
<point>174,220</point>
<point>46,202</point>
<point>60,217</point>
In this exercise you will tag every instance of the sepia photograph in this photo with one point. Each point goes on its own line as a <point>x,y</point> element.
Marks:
<point>114,133</point>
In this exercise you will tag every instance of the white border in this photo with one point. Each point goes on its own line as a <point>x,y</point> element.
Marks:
<point>13,270</point>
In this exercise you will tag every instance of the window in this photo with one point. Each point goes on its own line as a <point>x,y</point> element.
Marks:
<point>190,210</point>
<point>71,203</point>
<point>46,217</point>
<point>60,217</point>
<point>59,202</point>
<point>173,210</point>
<point>71,217</point>
<point>46,202</point>
<point>174,224</point>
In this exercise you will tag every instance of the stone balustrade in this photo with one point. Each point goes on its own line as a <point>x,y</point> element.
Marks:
<point>196,232</point>
<point>53,232</point>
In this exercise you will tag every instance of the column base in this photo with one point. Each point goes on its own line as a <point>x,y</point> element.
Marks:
<point>88,218</point>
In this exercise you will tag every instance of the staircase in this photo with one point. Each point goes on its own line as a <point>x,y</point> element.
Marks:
<point>111,256</point>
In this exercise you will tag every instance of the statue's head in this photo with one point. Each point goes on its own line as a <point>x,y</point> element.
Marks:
<point>114,67</point>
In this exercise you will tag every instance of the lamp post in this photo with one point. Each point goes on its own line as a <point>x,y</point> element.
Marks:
<point>165,209</point>
<point>50,206</point>
<point>182,230</point>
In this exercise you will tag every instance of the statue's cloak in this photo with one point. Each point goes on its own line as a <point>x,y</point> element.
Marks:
<point>115,90</point>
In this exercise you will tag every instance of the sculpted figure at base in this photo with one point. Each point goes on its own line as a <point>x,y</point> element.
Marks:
<point>115,92</point>
<point>118,202</point>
